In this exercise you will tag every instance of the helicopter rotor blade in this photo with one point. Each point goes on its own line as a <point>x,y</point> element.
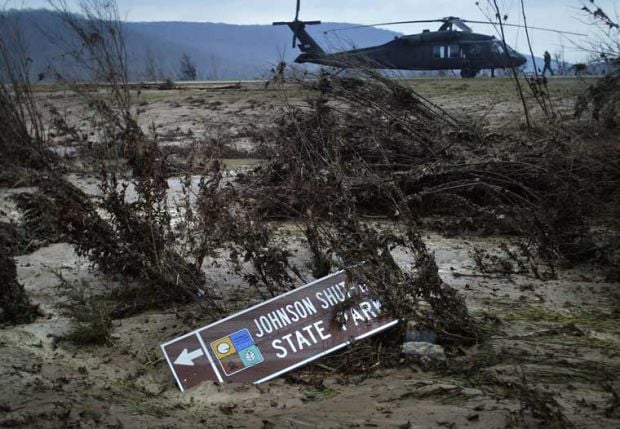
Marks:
<point>384,23</point>
<point>455,21</point>
<point>522,26</point>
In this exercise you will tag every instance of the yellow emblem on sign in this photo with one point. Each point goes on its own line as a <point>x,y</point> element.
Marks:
<point>224,347</point>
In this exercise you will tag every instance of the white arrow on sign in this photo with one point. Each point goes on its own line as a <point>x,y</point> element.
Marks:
<point>187,358</point>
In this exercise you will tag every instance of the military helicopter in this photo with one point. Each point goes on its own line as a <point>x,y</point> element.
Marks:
<point>444,49</point>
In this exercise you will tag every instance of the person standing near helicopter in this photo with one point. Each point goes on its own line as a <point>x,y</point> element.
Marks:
<point>547,58</point>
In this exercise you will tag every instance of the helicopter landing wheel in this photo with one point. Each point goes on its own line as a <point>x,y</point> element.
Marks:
<point>469,73</point>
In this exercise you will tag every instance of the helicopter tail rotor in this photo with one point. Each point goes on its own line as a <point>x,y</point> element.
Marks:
<point>297,10</point>
<point>307,43</point>
<point>295,20</point>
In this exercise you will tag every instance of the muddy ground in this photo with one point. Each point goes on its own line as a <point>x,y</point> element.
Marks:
<point>553,344</point>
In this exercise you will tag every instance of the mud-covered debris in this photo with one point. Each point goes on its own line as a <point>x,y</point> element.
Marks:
<point>426,354</point>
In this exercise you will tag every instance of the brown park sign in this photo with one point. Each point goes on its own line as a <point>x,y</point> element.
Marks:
<point>278,335</point>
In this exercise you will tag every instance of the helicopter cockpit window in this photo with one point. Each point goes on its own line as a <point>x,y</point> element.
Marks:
<point>498,48</point>
<point>438,52</point>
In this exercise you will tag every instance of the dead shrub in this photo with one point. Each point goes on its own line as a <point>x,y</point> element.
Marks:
<point>369,146</point>
<point>166,85</point>
<point>96,51</point>
<point>24,152</point>
<point>338,160</point>
<point>135,240</point>
<point>602,99</point>
<point>392,145</point>
<point>411,293</point>
<point>271,272</point>
<point>124,235</point>
<point>37,221</point>
<point>204,213</point>
<point>17,240</point>
<point>322,254</point>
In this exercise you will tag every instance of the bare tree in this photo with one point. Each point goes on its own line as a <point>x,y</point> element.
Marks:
<point>22,132</point>
<point>602,99</point>
<point>500,20</point>
<point>102,50</point>
<point>98,47</point>
<point>187,68</point>
<point>22,146</point>
<point>605,32</point>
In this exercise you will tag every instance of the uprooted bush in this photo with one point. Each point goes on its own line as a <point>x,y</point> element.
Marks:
<point>135,243</point>
<point>127,231</point>
<point>392,145</point>
<point>134,237</point>
<point>338,160</point>
<point>368,147</point>
<point>133,240</point>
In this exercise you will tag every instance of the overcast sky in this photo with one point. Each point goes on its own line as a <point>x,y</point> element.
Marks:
<point>557,14</point>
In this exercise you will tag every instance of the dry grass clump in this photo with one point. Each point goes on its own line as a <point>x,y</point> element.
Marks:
<point>90,314</point>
